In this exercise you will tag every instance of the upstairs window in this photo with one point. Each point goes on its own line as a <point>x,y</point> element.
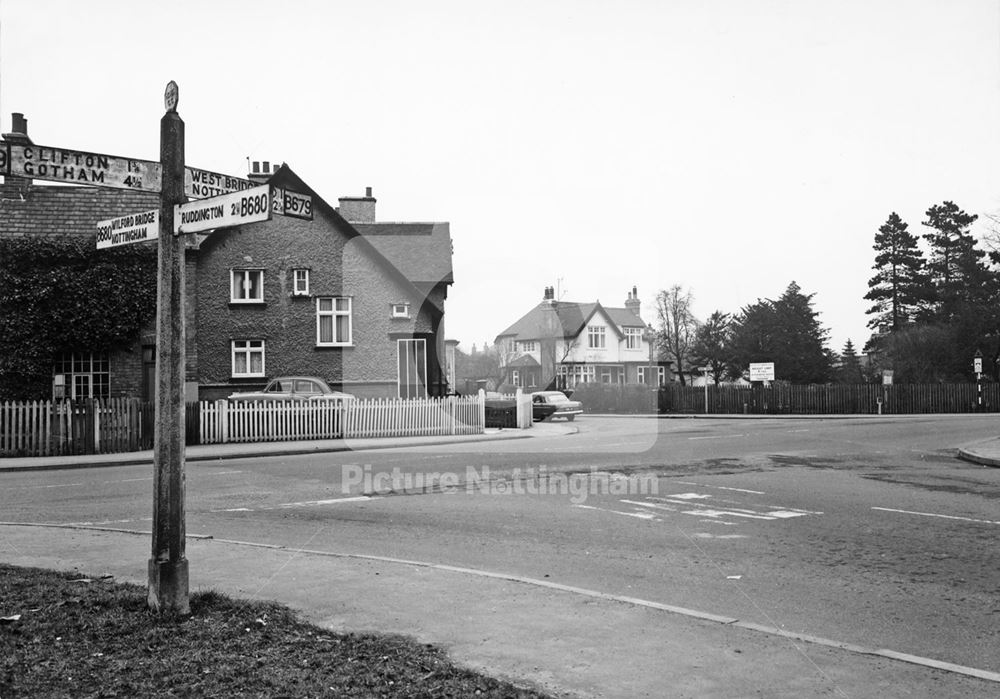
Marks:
<point>333,321</point>
<point>300,280</point>
<point>527,345</point>
<point>595,336</point>
<point>246,285</point>
<point>400,310</point>
<point>633,338</point>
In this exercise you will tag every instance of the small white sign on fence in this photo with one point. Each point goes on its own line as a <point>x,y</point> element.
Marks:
<point>762,371</point>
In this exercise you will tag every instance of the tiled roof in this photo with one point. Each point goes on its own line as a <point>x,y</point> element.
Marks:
<point>421,251</point>
<point>569,319</point>
<point>51,210</point>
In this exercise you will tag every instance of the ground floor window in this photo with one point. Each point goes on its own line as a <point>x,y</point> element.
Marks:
<point>646,374</point>
<point>248,358</point>
<point>81,375</point>
<point>572,374</point>
<point>412,368</point>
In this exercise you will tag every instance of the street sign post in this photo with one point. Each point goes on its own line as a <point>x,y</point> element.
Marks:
<point>234,209</point>
<point>133,228</point>
<point>167,590</point>
<point>79,167</point>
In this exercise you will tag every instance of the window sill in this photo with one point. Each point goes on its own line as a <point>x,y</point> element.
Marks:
<point>336,346</point>
<point>245,303</point>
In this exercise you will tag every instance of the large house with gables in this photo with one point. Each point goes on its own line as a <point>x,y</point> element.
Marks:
<point>559,344</point>
<point>339,295</point>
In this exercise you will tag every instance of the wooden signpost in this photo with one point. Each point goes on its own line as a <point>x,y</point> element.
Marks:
<point>224,201</point>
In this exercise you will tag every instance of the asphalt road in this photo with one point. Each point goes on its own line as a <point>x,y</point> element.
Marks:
<point>860,530</point>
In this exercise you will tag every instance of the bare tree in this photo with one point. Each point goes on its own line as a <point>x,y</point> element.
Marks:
<point>678,326</point>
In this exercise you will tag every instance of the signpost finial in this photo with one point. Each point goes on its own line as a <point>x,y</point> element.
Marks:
<point>170,97</point>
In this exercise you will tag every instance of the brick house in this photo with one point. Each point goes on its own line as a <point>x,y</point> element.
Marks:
<point>563,343</point>
<point>317,297</point>
<point>283,296</point>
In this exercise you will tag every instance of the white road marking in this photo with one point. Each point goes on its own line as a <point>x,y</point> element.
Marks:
<point>333,501</point>
<point>60,485</point>
<point>719,436</point>
<point>637,515</point>
<point>127,480</point>
<point>931,514</point>
<point>722,487</point>
<point>689,496</point>
<point>724,513</point>
<point>706,535</point>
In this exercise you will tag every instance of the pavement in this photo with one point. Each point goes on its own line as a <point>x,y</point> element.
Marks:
<point>238,450</point>
<point>563,640</point>
<point>985,452</point>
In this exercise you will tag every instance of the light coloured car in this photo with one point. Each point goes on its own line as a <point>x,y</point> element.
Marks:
<point>294,388</point>
<point>551,404</point>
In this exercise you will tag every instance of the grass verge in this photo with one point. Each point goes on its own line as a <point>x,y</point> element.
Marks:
<point>62,634</point>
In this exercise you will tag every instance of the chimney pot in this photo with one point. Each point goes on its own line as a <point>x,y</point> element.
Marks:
<point>267,167</point>
<point>256,167</point>
<point>368,192</point>
<point>18,123</point>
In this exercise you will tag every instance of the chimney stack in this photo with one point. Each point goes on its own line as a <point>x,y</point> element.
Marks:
<point>261,172</point>
<point>358,209</point>
<point>632,303</point>
<point>14,184</point>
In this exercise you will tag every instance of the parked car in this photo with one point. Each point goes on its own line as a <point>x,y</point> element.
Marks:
<point>294,388</point>
<point>551,404</point>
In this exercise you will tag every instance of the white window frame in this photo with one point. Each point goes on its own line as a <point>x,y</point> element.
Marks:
<point>527,345</point>
<point>596,337</point>
<point>85,374</point>
<point>333,313</point>
<point>235,297</point>
<point>248,348</point>
<point>633,338</point>
<point>515,377</point>
<point>661,375</point>
<point>400,310</point>
<point>300,274</point>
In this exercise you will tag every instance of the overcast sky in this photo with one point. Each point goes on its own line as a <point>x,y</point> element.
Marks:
<point>729,146</point>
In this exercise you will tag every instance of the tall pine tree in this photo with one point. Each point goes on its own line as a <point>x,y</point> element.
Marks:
<point>956,267</point>
<point>900,288</point>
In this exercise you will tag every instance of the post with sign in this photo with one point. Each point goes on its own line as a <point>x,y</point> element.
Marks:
<point>977,366</point>
<point>168,566</point>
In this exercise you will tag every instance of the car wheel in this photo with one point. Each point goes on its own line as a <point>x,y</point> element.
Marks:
<point>569,418</point>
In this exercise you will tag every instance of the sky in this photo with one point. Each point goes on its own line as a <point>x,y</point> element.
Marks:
<point>727,146</point>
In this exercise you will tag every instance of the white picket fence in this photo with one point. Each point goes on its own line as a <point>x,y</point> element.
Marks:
<point>224,421</point>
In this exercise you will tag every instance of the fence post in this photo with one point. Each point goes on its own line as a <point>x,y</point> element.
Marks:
<point>222,420</point>
<point>482,410</point>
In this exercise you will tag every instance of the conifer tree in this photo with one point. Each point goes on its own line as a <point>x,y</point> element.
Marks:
<point>900,288</point>
<point>956,267</point>
<point>849,370</point>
